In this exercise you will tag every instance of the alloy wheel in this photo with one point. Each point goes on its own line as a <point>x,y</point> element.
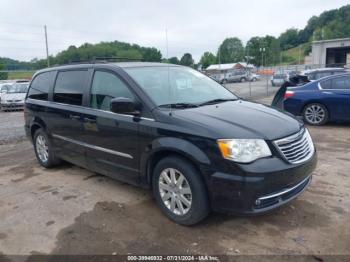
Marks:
<point>175,191</point>
<point>315,114</point>
<point>42,148</point>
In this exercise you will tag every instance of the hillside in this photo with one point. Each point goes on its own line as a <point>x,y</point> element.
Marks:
<point>291,56</point>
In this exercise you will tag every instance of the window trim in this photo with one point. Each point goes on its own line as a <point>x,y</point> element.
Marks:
<point>337,76</point>
<point>49,91</point>
<point>119,77</point>
<point>86,84</point>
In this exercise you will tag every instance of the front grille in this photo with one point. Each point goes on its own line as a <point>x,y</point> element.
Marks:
<point>296,148</point>
<point>283,195</point>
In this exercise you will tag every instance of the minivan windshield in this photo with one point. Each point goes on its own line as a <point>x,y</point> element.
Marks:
<point>174,85</point>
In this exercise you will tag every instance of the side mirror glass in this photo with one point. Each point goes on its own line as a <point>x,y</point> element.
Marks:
<point>126,106</point>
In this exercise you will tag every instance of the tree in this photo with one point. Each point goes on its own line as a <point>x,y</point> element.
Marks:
<point>289,39</point>
<point>3,75</point>
<point>207,59</point>
<point>173,60</point>
<point>231,50</point>
<point>269,56</point>
<point>187,60</point>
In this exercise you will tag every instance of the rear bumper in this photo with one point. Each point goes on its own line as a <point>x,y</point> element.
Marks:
<point>260,190</point>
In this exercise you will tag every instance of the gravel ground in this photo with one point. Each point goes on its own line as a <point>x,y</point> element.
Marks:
<point>11,127</point>
<point>69,210</point>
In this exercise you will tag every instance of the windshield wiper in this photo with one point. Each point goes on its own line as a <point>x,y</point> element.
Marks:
<point>216,101</point>
<point>179,105</point>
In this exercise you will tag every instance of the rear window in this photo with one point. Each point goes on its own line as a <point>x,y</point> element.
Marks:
<point>70,87</point>
<point>40,86</point>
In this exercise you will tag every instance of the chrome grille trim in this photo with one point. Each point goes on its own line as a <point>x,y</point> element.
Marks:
<point>296,148</point>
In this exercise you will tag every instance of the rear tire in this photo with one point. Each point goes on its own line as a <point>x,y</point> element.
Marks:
<point>243,79</point>
<point>315,114</point>
<point>44,150</point>
<point>179,191</point>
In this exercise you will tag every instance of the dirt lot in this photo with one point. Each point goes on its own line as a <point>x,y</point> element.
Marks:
<point>69,210</point>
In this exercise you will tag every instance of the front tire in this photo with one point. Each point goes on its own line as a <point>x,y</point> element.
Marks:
<point>315,114</point>
<point>179,191</point>
<point>44,150</point>
<point>243,80</point>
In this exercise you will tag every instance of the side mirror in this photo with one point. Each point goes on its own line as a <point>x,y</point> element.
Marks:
<point>126,106</point>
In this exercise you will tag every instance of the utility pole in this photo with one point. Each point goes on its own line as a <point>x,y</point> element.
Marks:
<point>47,47</point>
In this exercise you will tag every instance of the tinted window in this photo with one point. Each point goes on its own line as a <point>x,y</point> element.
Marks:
<point>341,82</point>
<point>106,86</point>
<point>326,84</point>
<point>40,86</point>
<point>69,87</point>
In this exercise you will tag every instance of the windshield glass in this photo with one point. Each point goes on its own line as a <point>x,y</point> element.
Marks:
<point>18,88</point>
<point>173,85</point>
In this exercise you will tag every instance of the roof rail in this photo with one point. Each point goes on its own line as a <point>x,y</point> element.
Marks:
<point>95,60</point>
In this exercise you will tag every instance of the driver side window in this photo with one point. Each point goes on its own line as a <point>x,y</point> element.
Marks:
<point>105,87</point>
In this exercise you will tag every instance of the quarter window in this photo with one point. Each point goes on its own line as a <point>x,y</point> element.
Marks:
<point>40,86</point>
<point>105,87</point>
<point>326,84</point>
<point>70,86</point>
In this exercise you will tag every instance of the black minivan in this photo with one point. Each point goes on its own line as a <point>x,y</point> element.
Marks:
<point>169,128</point>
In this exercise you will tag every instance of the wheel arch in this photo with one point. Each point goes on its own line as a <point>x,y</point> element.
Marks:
<point>36,124</point>
<point>165,147</point>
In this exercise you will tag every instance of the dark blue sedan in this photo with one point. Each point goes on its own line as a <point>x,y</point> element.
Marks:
<point>327,99</point>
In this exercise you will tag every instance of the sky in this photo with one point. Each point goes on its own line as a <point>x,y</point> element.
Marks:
<point>193,26</point>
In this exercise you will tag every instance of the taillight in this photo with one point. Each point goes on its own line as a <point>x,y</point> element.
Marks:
<point>288,94</point>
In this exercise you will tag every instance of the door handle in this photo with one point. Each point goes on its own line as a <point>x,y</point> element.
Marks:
<point>74,117</point>
<point>90,120</point>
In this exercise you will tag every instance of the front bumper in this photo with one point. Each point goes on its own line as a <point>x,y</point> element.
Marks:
<point>262,186</point>
<point>12,106</point>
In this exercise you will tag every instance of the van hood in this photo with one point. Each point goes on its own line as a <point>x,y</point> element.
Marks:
<point>241,119</point>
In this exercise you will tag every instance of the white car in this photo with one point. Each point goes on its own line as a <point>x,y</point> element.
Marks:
<point>13,97</point>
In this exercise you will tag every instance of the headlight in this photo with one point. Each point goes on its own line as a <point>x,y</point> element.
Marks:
<point>243,150</point>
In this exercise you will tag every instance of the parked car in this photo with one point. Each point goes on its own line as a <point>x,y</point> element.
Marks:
<point>279,78</point>
<point>320,101</point>
<point>13,98</point>
<point>253,77</point>
<point>236,76</point>
<point>169,128</point>
<point>316,74</point>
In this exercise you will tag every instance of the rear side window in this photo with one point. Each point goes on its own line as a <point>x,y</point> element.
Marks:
<point>341,82</point>
<point>40,86</point>
<point>70,86</point>
<point>106,86</point>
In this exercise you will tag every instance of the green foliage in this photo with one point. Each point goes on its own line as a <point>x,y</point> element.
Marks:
<point>187,60</point>
<point>231,51</point>
<point>3,75</point>
<point>207,59</point>
<point>88,52</point>
<point>329,25</point>
<point>174,60</point>
<point>289,38</point>
<point>20,75</point>
<point>256,45</point>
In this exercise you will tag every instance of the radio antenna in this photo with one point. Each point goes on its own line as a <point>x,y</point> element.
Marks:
<point>167,57</point>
